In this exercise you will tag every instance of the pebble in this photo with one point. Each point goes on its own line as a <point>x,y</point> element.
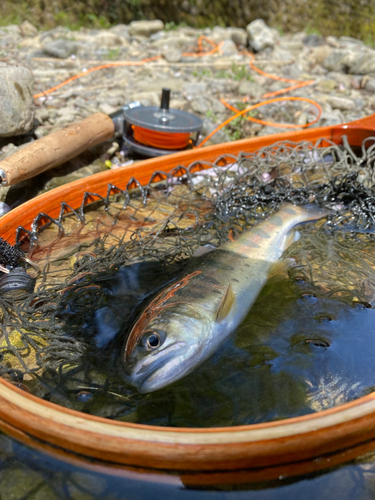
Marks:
<point>343,69</point>
<point>261,36</point>
<point>341,103</point>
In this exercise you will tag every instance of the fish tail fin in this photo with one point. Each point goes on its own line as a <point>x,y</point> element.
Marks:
<point>310,212</point>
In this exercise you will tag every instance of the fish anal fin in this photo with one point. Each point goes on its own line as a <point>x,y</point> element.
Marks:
<point>226,304</point>
<point>278,269</point>
<point>290,238</point>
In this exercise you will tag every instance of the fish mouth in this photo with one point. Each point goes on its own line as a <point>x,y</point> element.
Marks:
<point>149,367</point>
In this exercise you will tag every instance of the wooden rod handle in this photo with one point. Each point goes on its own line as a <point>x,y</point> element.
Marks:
<point>56,148</point>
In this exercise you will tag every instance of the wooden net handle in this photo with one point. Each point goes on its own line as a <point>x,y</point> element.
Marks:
<point>56,148</point>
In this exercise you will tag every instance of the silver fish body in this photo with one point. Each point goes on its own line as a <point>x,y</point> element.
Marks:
<point>189,320</point>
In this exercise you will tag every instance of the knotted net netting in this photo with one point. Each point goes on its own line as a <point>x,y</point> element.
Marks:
<point>103,260</point>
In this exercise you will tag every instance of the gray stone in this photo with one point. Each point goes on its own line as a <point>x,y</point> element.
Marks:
<point>121,30</point>
<point>239,36</point>
<point>194,88</point>
<point>107,108</point>
<point>60,48</point>
<point>251,89</point>
<point>172,55</point>
<point>261,36</point>
<point>332,118</point>
<point>268,130</point>
<point>201,105</point>
<point>370,85</point>
<point>340,60</point>
<point>217,138</point>
<point>28,29</point>
<point>16,100</point>
<point>145,28</point>
<point>107,39</point>
<point>363,64</point>
<point>229,48</point>
<point>313,40</point>
<point>291,45</point>
<point>342,103</point>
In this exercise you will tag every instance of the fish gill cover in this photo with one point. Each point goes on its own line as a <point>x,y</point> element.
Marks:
<point>103,263</point>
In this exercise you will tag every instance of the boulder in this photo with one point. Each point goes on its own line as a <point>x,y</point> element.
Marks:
<point>238,35</point>
<point>363,64</point>
<point>172,54</point>
<point>145,28</point>
<point>228,48</point>
<point>16,100</point>
<point>340,60</point>
<point>261,36</point>
<point>28,29</point>
<point>60,48</point>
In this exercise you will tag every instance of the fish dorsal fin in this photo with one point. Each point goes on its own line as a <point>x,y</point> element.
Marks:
<point>278,268</point>
<point>226,304</point>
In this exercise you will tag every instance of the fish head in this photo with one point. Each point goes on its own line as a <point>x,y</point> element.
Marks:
<point>167,347</point>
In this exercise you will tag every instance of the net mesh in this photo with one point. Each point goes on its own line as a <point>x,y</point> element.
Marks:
<point>49,343</point>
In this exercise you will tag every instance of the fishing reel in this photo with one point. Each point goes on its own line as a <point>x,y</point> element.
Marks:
<point>155,131</point>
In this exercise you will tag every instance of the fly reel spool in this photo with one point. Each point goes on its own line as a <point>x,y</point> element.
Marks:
<point>156,131</point>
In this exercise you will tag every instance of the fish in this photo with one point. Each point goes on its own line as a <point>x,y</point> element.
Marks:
<point>193,316</point>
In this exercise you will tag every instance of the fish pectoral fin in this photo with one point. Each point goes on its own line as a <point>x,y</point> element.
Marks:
<point>203,250</point>
<point>226,304</point>
<point>277,270</point>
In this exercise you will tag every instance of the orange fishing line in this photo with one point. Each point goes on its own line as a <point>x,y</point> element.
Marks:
<point>165,140</point>
<point>161,140</point>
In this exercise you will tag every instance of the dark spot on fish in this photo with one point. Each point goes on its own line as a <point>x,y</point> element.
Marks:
<point>216,291</point>
<point>290,210</point>
<point>318,342</point>
<point>259,231</point>
<point>235,279</point>
<point>84,396</point>
<point>276,220</point>
<point>19,90</point>
<point>252,244</point>
<point>361,305</point>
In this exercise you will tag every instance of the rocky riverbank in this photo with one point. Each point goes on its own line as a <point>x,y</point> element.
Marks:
<point>342,70</point>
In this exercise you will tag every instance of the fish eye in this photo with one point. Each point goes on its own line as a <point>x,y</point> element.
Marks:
<point>152,340</point>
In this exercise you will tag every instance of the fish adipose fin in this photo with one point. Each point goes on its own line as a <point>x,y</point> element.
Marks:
<point>226,304</point>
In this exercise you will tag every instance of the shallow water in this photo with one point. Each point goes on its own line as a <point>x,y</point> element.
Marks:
<point>306,345</point>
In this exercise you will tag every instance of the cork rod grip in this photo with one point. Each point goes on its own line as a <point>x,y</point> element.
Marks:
<point>56,148</point>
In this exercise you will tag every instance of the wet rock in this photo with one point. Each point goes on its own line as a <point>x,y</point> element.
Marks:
<point>251,89</point>
<point>28,29</point>
<point>341,103</point>
<point>340,60</point>
<point>229,48</point>
<point>16,100</point>
<point>238,35</point>
<point>172,55</point>
<point>145,28</point>
<point>60,48</point>
<point>261,36</point>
